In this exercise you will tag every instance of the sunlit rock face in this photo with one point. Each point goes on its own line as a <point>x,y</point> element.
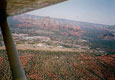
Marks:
<point>20,6</point>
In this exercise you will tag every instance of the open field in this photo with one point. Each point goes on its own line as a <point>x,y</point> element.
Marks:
<point>47,49</point>
<point>61,65</point>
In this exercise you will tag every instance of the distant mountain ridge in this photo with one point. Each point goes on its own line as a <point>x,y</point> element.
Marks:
<point>99,35</point>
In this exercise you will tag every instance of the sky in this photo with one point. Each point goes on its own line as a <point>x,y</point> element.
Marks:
<point>94,11</point>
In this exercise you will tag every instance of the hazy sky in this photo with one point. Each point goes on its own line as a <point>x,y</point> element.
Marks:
<point>96,11</point>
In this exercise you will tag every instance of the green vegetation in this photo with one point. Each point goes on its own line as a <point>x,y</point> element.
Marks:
<point>59,65</point>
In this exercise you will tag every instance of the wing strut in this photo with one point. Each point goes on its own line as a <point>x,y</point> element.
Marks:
<point>13,57</point>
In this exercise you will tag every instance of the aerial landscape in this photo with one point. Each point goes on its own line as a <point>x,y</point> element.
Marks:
<point>59,49</point>
<point>52,48</point>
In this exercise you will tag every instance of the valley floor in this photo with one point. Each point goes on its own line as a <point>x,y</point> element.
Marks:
<point>61,65</point>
